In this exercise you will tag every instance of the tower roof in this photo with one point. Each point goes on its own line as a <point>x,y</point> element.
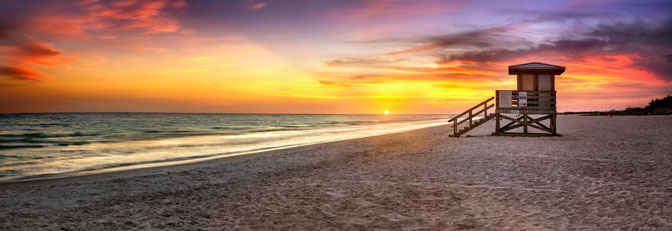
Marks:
<point>536,67</point>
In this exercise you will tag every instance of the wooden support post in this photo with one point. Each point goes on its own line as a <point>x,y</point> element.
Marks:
<point>470,121</point>
<point>517,122</point>
<point>553,127</point>
<point>525,120</point>
<point>496,122</point>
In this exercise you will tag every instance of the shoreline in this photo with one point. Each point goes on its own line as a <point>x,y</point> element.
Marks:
<point>603,173</point>
<point>139,170</point>
<point>223,152</point>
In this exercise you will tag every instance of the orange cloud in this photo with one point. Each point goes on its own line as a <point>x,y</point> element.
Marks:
<point>23,73</point>
<point>23,40</point>
<point>34,52</point>
<point>57,25</point>
<point>151,17</point>
<point>147,16</point>
<point>31,53</point>
<point>258,6</point>
<point>34,49</point>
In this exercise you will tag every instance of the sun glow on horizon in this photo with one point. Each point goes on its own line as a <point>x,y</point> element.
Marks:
<point>387,112</point>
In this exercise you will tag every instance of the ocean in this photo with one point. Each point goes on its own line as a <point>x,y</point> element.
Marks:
<point>48,145</point>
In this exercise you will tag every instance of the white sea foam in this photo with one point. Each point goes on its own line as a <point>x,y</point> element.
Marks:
<point>161,149</point>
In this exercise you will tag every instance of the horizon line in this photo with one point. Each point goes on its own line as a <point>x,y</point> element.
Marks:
<point>242,113</point>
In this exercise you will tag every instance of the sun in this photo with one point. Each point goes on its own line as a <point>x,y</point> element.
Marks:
<point>386,112</point>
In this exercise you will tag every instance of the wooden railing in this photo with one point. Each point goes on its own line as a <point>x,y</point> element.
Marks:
<point>471,114</point>
<point>537,102</point>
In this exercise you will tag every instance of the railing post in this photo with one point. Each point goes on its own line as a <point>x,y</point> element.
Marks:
<point>470,113</point>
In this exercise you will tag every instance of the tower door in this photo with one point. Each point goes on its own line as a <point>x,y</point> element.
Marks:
<point>527,82</point>
<point>545,83</point>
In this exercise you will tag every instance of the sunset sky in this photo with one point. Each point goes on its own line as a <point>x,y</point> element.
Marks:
<point>325,56</point>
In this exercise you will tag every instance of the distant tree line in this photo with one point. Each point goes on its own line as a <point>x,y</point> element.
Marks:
<point>664,103</point>
<point>656,107</point>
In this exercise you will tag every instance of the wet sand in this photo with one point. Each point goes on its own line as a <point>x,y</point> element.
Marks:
<point>601,174</point>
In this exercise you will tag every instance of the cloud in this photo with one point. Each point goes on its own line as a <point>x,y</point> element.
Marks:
<point>360,62</point>
<point>645,41</point>
<point>19,56</point>
<point>35,50</point>
<point>148,16</point>
<point>66,20</point>
<point>647,44</point>
<point>4,31</point>
<point>23,73</point>
<point>373,9</point>
<point>463,75</point>
<point>582,4</point>
<point>472,39</point>
<point>566,47</point>
<point>631,57</point>
<point>27,30</point>
<point>258,6</point>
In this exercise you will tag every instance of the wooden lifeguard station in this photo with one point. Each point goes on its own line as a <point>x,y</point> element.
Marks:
<point>535,96</point>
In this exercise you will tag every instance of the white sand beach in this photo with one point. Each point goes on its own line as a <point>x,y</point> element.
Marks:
<point>601,174</point>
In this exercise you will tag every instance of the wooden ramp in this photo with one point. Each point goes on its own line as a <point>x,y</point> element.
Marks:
<point>470,115</point>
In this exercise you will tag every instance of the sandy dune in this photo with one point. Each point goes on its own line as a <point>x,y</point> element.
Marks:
<point>602,174</point>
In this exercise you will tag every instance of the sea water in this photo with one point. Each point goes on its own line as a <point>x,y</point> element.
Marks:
<point>60,144</point>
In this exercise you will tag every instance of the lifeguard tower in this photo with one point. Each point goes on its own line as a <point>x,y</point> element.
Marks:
<point>535,96</point>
